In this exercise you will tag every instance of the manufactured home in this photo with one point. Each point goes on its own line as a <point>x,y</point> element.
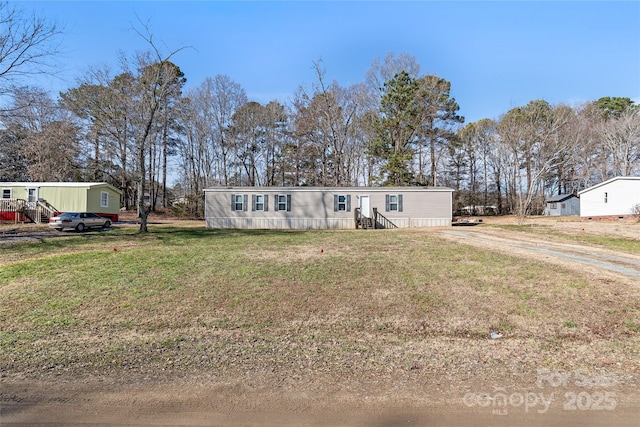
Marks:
<point>562,204</point>
<point>38,201</point>
<point>327,207</point>
<point>616,198</point>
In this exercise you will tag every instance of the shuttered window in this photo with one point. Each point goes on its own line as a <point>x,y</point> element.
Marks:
<point>260,202</point>
<point>283,202</point>
<point>239,202</point>
<point>393,203</point>
<point>342,203</point>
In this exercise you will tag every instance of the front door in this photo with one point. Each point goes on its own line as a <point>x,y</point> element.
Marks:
<point>32,197</point>
<point>365,209</point>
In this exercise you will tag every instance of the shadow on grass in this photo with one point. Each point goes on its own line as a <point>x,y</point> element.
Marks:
<point>59,242</point>
<point>194,232</point>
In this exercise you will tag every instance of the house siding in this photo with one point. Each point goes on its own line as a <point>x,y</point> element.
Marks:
<point>93,200</point>
<point>313,208</point>
<point>65,199</point>
<point>621,193</point>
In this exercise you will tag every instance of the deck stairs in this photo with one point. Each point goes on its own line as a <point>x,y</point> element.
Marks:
<point>375,222</point>
<point>37,212</point>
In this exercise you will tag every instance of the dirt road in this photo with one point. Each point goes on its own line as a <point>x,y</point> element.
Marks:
<point>94,403</point>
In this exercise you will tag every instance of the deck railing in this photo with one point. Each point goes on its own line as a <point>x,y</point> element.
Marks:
<point>382,221</point>
<point>377,221</point>
<point>36,212</point>
<point>46,209</point>
<point>12,205</point>
<point>362,221</point>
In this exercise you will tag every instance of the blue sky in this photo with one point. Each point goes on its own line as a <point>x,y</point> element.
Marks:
<point>497,55</point>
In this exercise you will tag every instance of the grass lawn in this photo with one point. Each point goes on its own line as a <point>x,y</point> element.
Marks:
<point>629,245</point>
<point>321,308</point>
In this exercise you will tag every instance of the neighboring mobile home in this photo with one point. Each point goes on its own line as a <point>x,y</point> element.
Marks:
<point>327,207</point>
<point>562,204</point>
<point>618,197</point>
<point>37,201</point>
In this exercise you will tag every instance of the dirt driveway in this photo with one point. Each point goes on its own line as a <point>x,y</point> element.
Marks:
<point>572,256</point>
<point>97,401</point>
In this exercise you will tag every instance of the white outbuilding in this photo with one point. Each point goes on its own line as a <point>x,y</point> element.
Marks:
<point>617,197</point>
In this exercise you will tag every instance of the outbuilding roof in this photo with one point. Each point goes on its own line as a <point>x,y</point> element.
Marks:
<point>559,198</point>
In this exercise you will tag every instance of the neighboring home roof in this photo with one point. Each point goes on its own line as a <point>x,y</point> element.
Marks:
<point>621,178</point>
<point>559,198</point>
<point>62,184</point>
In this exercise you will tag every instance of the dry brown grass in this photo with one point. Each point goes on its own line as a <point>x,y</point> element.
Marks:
<point>399,312</point>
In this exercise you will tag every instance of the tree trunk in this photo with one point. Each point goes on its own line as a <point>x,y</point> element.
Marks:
<point>164,164</point>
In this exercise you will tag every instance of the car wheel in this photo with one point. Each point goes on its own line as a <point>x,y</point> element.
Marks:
<point>107,224</point>
<point>80,227</point>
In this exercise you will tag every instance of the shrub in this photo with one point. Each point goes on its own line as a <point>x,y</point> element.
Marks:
<point>191,206</point>
<point>636,212</point>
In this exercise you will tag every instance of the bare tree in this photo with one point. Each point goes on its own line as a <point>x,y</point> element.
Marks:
<point>381,72</point>
<point>28,46</point>
<point>48,145</point>
<point>196,149</point>
<point>13,165</point>
<point>621,136</point>
<point>156,76</point>
<point>205,116</point>
<point>258,133</point>
<point>478,141</point>
<point>531,132</point>
<point>226,96</point>
<point>325,123</point>
<point>53,153</point>
<point>105,104</point>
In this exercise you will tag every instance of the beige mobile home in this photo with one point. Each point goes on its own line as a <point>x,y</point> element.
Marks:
<point>327,207</point>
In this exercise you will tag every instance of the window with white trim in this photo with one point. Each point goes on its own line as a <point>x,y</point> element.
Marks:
<point>104,199</point>
<point>606,197</point>
<point>239,202</point>
<point>260,202</point>
<point>393,202</point>
<point>283,202</point>
<point>6,193</point>
<point>342,203</point>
